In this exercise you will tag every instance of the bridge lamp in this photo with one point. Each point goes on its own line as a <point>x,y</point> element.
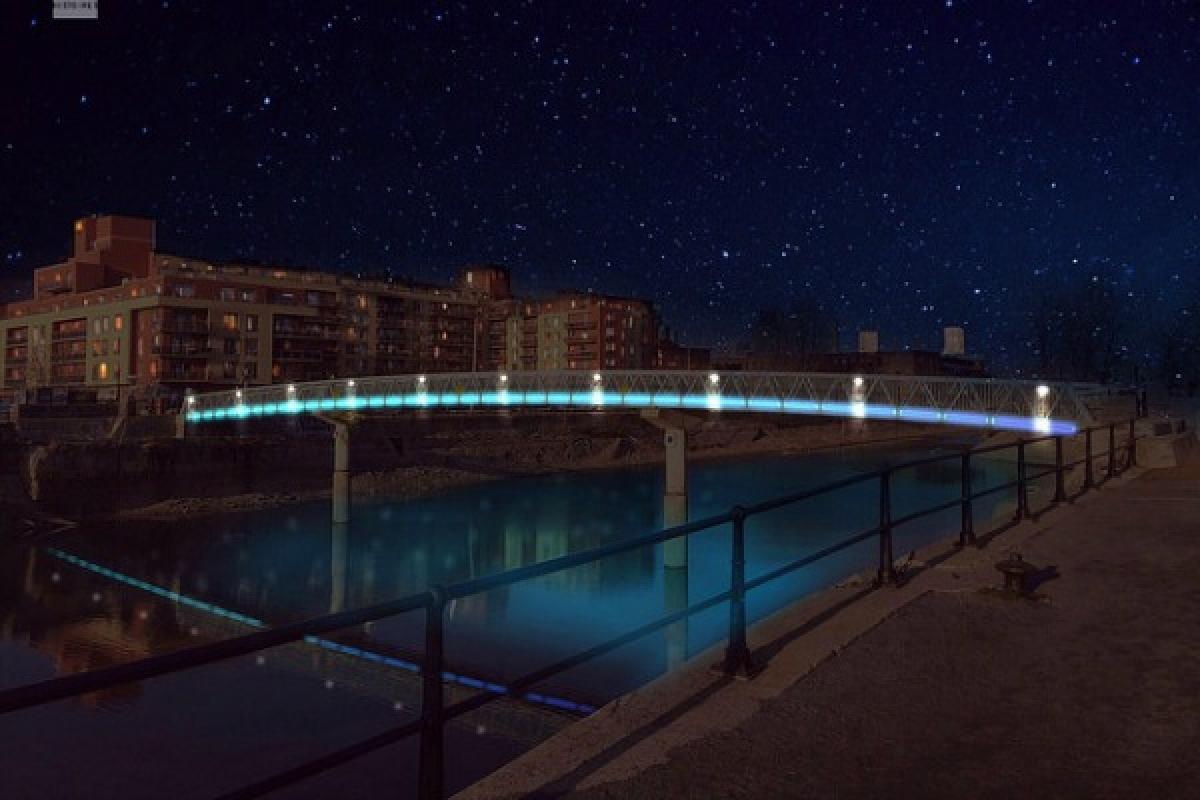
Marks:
<point>713,401</point>
<point>1041,409</point>
<point>858,381</point>
<point>421,379</point>
<point>238,394</point>
<point>597,389</point>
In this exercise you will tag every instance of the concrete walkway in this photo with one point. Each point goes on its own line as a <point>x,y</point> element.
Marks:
<point>941,689</point>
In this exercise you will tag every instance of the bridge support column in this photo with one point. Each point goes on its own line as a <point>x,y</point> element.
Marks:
<point>675,502</point>
<point>338,564</point>
<point>341,473</point>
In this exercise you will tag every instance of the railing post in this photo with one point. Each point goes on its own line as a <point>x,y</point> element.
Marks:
<point>737,655</point>
<point>1089,478</point>
<point>887,564</point>
<point>1060,473</point>
<point>431,770</point>
<point>967,534</point>
<point>1132,443</point>
<point>1112,450</point>
<point>1022,486</point>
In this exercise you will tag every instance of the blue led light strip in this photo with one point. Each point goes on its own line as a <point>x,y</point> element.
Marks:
<point>327,644</point>
<point>604,399</point>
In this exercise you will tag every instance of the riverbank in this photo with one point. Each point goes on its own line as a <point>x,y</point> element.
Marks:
<point>1088,690</point>
<point>422,480</point>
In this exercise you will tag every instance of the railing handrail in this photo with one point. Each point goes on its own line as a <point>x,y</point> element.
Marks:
<point>433,600</point>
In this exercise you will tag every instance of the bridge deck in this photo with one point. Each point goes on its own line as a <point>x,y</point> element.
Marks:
<point>1028,406</point>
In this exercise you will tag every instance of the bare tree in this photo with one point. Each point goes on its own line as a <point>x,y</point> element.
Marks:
<point>1076,333</point>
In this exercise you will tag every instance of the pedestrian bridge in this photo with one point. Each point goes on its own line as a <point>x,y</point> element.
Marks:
<point>1014,405</point>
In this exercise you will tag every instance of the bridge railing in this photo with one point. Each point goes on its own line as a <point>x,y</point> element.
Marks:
<point>738,658</point>
<point>979,402</point>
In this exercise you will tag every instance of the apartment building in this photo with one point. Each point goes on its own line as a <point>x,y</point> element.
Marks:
<point>119,317</point>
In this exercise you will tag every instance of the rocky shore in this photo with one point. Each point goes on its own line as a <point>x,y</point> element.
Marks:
<point>546,452</point>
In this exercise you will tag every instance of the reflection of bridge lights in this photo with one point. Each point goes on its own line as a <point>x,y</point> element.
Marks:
<point>1043,391</point>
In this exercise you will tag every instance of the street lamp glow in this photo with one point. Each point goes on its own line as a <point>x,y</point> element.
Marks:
<point>1043,391</point>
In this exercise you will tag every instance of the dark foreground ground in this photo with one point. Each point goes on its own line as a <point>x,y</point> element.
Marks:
<point>1093,692</point>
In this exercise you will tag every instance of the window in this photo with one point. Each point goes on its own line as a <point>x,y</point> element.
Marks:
<point>228,294</point>
<point>231,347</point>
<point>116,346</point>
<point>154,368</point>
<point>106,323</point>
<point>249,296</point>
<point>229,322</point>
<point>251,323</point>
<point>97,347</point>
<point>96,326</point>
<point>184,290</point>
<point>314,298</point>
<point>252,347</point>
<point>102,371</point>
<point>118,322</point>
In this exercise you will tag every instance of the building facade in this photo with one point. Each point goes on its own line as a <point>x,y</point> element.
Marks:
<point>120,318</point>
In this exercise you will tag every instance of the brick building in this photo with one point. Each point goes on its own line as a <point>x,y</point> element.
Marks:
<point>120,317</point>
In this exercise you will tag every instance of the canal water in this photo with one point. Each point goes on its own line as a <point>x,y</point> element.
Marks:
<point>105,594</point>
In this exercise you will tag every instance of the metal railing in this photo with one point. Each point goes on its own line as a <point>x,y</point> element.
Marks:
<point>738,658</point>
<point>1023,406</point>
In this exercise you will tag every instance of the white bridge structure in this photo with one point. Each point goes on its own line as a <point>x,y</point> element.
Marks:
<point>1012,405</point>
<point>667,400</point>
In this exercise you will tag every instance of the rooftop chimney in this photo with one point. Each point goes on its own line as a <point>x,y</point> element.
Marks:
<point>954,342</point>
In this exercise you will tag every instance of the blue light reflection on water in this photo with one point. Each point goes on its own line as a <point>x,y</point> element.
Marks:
<point>279,565</point>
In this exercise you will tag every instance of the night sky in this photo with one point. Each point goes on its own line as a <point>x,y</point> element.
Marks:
<point>904,165</point>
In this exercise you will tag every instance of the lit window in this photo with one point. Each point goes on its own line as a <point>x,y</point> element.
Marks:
<point>102,371</point>
<point>229,322</point>
<point>118,322</point>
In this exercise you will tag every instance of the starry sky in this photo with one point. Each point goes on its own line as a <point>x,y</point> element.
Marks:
<point>902,165</point>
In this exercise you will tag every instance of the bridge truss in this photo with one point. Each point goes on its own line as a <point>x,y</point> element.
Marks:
<point>1028,406</point>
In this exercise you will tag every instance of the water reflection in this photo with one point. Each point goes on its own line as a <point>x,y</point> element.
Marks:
<point>267,568</point>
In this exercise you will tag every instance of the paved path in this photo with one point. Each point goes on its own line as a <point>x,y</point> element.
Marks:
<point>1094,692</point>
